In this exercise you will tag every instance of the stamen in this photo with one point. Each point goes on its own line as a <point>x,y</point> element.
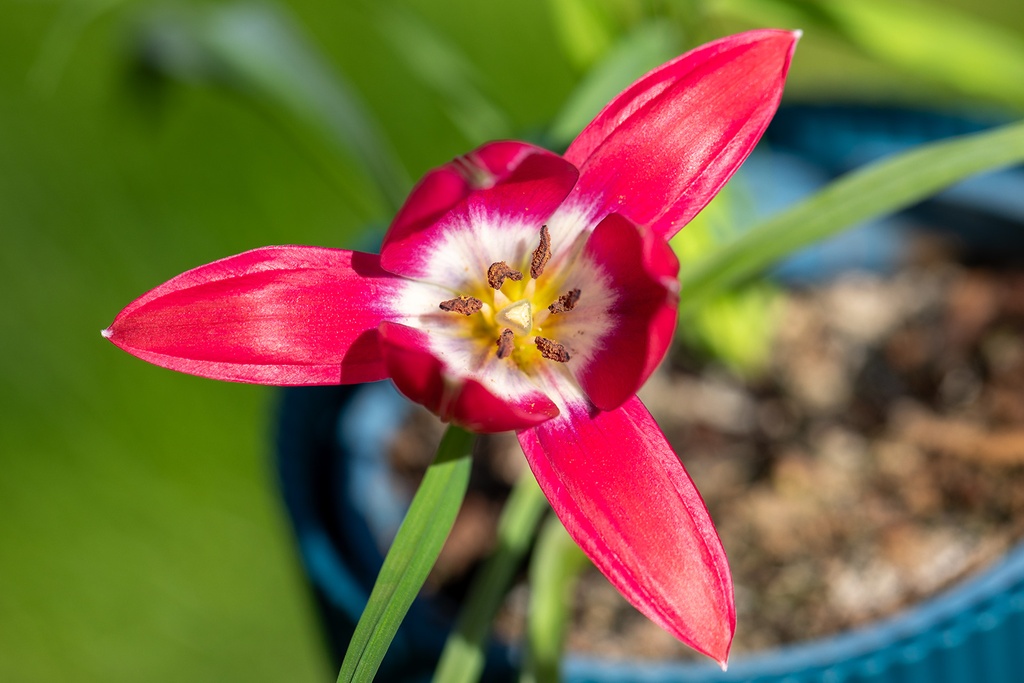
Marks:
<point>541,254</point>
<point>505,344</point>
<point>552,350</point>
<point>466,305</point>
<point>566,302</point>
<point>497,272</point>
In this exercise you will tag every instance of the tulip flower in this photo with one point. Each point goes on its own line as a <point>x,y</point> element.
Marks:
<point>518,289</point>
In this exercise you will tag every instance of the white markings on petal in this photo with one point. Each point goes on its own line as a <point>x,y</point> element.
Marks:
<point>557,383</point>
<point>468,359</point>
<point>416,305</point>
<point>464,355</point>
<point>469,244</point>
<point>569,226</point>
<point>583,329</point>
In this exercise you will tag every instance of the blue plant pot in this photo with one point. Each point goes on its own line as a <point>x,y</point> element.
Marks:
<point>333,473</point>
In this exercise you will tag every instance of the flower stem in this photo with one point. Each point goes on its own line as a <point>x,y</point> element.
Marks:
<point>462,660</point>
<point>557,563</point>
<point>412,555</point>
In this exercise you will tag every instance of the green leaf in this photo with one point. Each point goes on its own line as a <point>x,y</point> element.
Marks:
<point>438,64</point>
<point>647,46</point>
<point>875,190</point>
<point>412,555</point>
<point>257,50</point>
<point>557,563</point>
<point>937,43</point>
<point>932,42</point>
<point>462,660</point>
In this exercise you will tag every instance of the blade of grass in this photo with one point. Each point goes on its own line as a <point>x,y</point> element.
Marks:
<point>875,190</point>
<point>462,660</point>
<point>412,555</point>
<point>557,563</point>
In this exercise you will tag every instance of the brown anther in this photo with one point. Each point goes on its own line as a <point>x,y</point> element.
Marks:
<point>466,305</point>
<point>497,272</point>
<point>552,350</point>
<point>541,254</point>
<point>566,302</point>
<point>505,344</point>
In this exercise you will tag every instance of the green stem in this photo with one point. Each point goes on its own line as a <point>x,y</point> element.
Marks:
<point>557,563</point>
<point>412,555</point>
<point>462,660</point>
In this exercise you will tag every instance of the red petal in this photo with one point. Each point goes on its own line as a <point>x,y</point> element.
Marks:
<point>643,271</point>
<point>625,498</point>
<point>664,146</point>
<point>511,180</point>
<point>277,315</point>
<point>423,378</point>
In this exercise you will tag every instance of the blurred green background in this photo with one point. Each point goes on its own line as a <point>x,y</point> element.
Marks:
<point>141,537</point>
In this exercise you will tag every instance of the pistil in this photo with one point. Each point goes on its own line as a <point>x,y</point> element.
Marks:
<point>518,316</point>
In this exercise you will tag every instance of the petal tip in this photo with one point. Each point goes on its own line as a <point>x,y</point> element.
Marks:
<point>797,34</point>
<point>106,333</point>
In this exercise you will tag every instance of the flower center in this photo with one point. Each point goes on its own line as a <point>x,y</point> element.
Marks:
<point>508,320</point>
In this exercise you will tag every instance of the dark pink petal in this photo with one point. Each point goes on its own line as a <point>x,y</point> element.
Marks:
<point>277,315</point>
<point>423,378</point>
<point>625,498</point>
<point>643,271</point>
<point>501,180</point>
<point>664,146</point>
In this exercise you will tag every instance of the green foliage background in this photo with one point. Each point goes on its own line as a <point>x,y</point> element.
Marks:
<point>141,537</point>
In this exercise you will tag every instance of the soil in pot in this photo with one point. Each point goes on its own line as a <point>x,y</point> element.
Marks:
<point>878,460</point>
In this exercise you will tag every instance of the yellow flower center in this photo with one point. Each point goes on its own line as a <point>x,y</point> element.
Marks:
<point>508,312</point>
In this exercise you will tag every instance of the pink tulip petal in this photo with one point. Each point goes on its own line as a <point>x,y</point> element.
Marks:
<point>278,315</point>
<point>502,186</point>
<point>625,498</point>
<point>643,273</point>
<point>665,146</point>
<point>425,379</point>
<point>442,188</point>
